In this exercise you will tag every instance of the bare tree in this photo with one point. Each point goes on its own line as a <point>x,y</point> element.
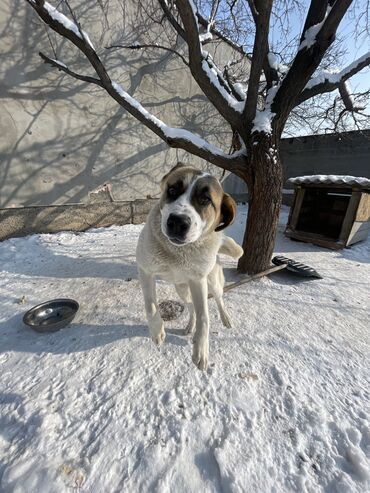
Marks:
<point>256,104</point>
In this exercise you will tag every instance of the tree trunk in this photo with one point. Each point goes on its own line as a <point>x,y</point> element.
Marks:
<point>265,194</point>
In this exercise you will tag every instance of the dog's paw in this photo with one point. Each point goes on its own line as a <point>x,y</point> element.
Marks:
<point>156,328</point>
<point>200,354</point>
<point>159,338</point>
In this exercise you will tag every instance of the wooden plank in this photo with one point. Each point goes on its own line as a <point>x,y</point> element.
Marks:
<point>363,210</point>
<point>350,216</point>
<point>296,209</point>
<point>292,207</point>
<point>360,231</point>
<point>316,239</point>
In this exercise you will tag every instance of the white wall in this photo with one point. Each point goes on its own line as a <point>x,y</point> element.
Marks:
<point>61,138</point>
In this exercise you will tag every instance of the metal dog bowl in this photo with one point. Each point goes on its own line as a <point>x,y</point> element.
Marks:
<point>51,315</point>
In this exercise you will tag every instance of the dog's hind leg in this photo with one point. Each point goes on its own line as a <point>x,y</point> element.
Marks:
<point>183,291</point>
<point>216,283</point>
<point>155,322</point>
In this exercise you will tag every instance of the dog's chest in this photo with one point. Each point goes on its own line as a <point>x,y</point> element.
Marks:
<point>183,268</point>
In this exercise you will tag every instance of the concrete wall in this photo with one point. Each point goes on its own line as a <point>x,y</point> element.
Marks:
<point>100,210</point>
<point>346,154</point>
<point>61,138</point>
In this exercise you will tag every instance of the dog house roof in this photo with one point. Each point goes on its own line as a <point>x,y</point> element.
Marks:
<point>341,181</point>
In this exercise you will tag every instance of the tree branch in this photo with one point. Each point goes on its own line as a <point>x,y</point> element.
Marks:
<point>203,69</point>
<point>203,21</point>
<point>316,14</point>
<point>328,82</point>
<point>146,45</point>
<point>171,18</point>
<point>271,74</point>
<point>308,58</point>
<point>261,11</point>
<point>59,23</point>
<point>61,66</point>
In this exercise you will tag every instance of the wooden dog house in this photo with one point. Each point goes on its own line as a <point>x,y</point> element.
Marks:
<point>330,211</point>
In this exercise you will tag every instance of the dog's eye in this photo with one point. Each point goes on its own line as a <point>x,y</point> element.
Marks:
<point>173,192</point>
<point>205,199</point>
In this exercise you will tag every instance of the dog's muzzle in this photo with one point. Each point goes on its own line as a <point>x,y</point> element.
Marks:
<point>178,226</point>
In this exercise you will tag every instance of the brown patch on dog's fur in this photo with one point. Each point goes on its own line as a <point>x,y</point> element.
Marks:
<point>173,173</point>
<point>228,212</point>
<point>206,200</point>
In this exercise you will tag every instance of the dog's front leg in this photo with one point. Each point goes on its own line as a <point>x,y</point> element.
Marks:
<point>155,322</point>
<point>199,294</point>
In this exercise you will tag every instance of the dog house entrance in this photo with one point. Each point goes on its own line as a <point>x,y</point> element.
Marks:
<point>323,211</point>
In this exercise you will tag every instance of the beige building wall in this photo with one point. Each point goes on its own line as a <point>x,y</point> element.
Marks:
<point>61,138</point>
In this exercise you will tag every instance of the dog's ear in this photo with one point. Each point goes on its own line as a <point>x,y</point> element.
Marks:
<point>178,165</point>
<point>228,212</point>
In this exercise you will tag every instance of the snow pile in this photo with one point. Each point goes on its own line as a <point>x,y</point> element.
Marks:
<point>331,180</point>
<point>284,406</point>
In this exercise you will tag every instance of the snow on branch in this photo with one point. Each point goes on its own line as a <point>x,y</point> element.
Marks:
<point>261,18</point>
<point>262,120</point>
<point>320,28</point>
<point>216,78</point>
<point>329,80</point>
<point>355,66</point>
<point>221,35</point>
<point>203,68</point>
<point>280,68</point>
<point>326,75</point>
<point>67,23</point>
<point>205,37</point>
<point>240,90</point>
<point>178,137</point>
<point>309,37</point>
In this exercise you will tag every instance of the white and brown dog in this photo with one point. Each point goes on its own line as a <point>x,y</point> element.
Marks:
<point>180,242</point>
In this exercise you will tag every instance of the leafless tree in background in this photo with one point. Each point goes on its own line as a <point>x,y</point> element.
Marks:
<point>287,85</point>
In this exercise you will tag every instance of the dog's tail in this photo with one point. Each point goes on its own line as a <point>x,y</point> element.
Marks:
<point>230,248</point>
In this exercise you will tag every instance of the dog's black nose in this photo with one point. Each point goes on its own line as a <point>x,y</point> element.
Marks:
<point>178,225</point>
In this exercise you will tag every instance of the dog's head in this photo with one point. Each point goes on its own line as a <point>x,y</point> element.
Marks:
<point>193,204</point>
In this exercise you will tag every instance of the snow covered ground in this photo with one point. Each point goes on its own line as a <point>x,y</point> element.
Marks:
<point>96,407</point>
